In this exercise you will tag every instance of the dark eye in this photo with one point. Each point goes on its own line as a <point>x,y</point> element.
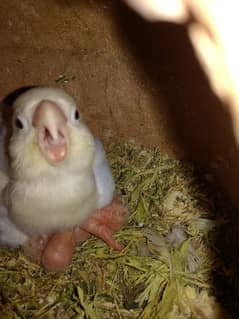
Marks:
<point>76,115</point>
<point>19,123</point>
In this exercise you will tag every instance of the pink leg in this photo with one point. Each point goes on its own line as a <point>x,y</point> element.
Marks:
<point>55,252</point>
<point>113,215</point>
<point>80,234</point>
<point>104,233</point>
<point>59,251</point>
<point>103,222</point>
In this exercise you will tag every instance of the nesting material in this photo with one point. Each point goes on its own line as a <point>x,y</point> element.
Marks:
<point>171,263</point>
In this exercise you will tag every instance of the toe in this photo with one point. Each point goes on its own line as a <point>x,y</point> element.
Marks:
<point>104,233</point>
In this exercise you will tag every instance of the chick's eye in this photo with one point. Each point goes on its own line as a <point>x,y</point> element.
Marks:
<point>76,114</point>
<point>19,123</point>
<point>75,117</point>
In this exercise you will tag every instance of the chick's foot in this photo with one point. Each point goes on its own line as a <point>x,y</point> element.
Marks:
<point>59,251</point>
<point>103,223</point>
<point>55,252</point>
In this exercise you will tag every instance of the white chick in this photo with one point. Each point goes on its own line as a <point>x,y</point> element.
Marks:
<point>59,173</point>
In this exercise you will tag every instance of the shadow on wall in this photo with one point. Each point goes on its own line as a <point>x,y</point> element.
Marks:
<point>166,57</point>
<point>199,119</point>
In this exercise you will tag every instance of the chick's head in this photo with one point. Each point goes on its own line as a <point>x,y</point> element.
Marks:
<point>49,135</point>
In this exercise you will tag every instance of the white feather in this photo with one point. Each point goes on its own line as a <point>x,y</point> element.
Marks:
<point>9,234</point>
<point>104,180</point>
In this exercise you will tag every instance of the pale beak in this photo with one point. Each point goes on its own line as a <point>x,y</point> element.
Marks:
<point>52,132</point>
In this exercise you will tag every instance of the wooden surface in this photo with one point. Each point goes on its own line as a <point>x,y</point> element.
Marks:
<point>132,79</point>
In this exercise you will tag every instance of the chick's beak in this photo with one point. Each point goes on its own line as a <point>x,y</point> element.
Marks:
<point>50,123</point>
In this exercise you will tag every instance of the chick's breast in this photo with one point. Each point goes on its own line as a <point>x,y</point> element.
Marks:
<point>52,204</point>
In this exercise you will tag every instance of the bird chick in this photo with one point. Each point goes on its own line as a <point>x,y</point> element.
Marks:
<point>59,176</point>
<point>52,184</point>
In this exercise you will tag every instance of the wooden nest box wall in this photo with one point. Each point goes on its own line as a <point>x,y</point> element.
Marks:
<point>132,79</point>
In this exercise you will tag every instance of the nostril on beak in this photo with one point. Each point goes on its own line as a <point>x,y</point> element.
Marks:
<point>51,134</point>
<point>47,133</point>
<point>54,136</point>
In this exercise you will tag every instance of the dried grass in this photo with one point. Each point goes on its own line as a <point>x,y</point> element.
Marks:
<point>167,267</point>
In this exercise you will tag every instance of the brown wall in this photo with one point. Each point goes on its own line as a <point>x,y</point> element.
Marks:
<point>133,80</point>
